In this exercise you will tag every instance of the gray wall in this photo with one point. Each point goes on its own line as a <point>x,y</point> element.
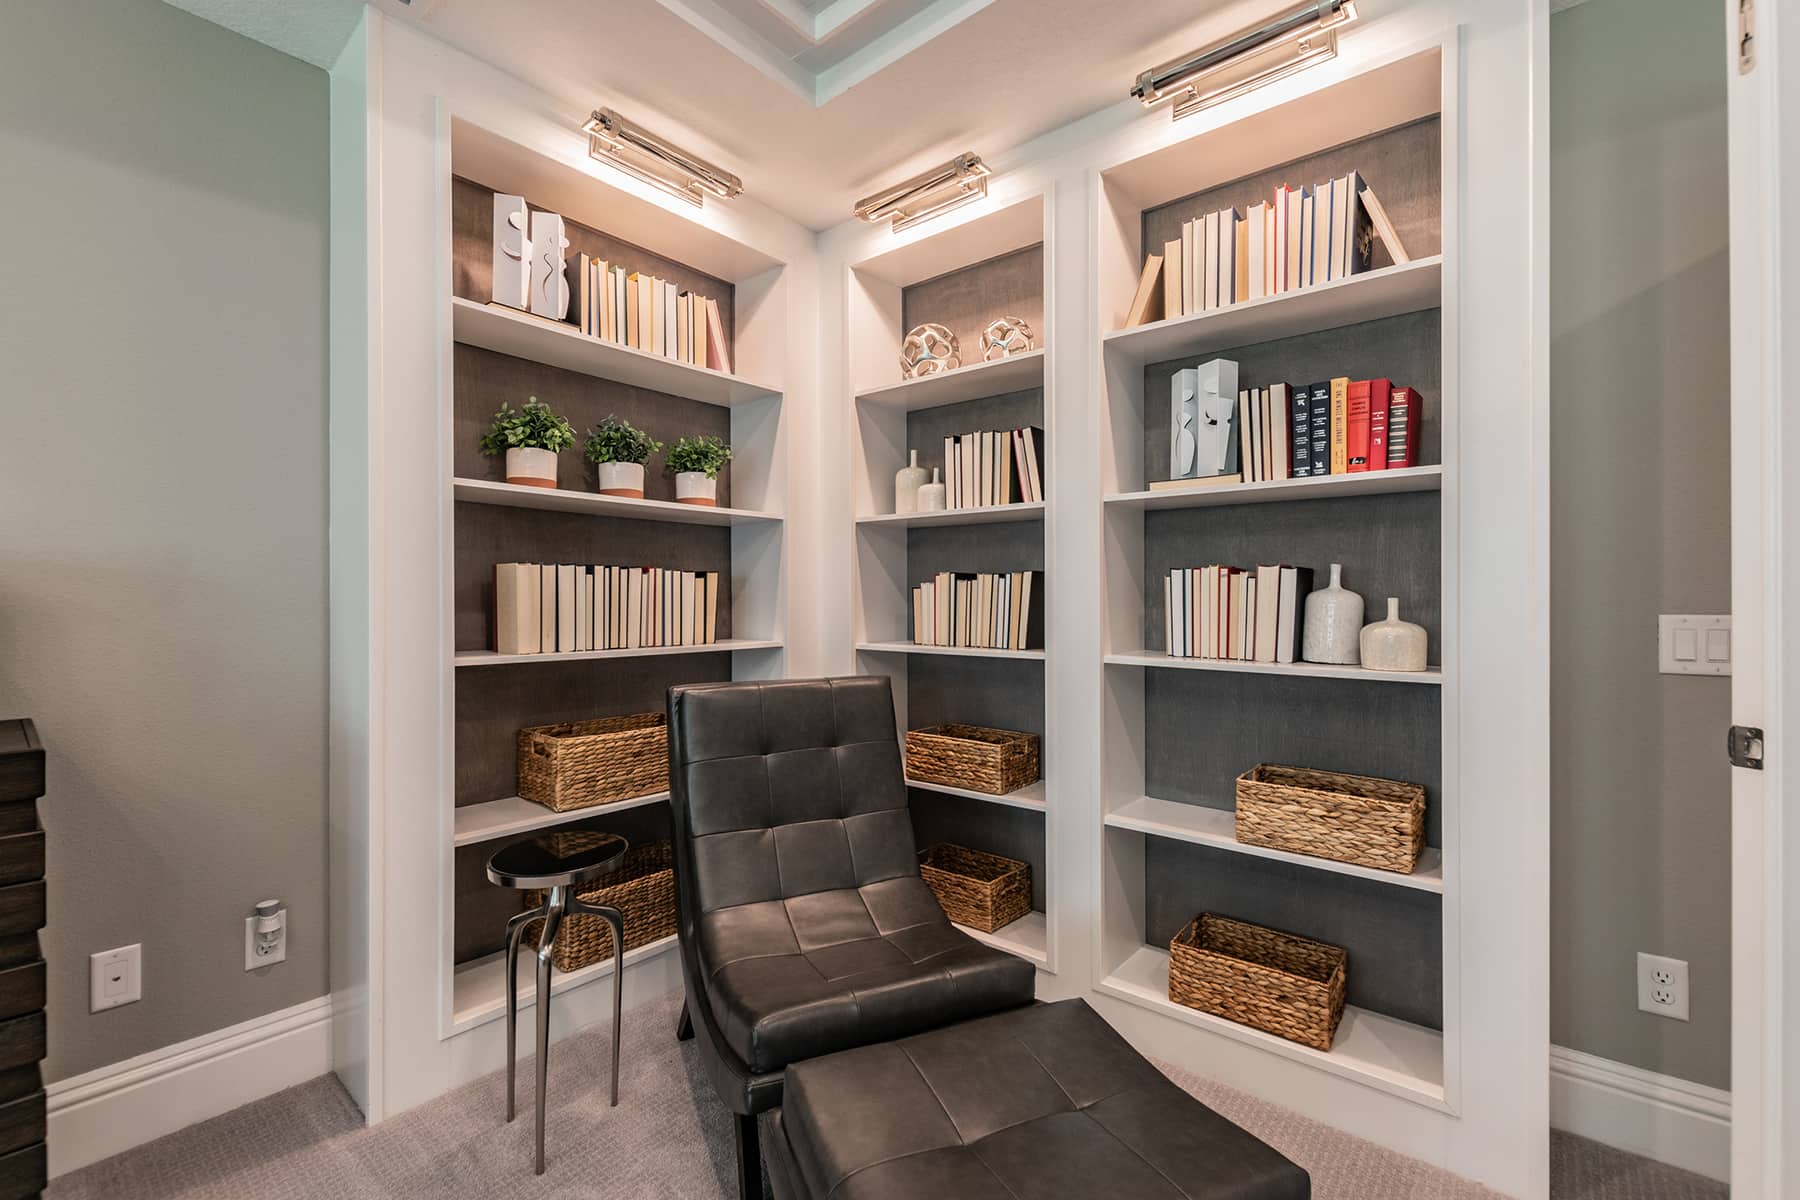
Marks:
<point>162,509</point>
<point>1640,525</point>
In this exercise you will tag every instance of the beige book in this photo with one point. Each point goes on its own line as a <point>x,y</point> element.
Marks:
<point>646,289</point>
<point>515,609</point>
<point>1146,301</point>
<point>1173,280</point>
<point>684,332</point>
<point>584,307</point>
<point>1241,231</point>
<point>712,607</point>
<point>717,356</point>
<point>634,300</point>
<point>1384,228</point>
<point>659,342</point>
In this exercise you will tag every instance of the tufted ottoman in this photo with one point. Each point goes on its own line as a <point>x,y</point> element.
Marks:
<point>1040,1103</point>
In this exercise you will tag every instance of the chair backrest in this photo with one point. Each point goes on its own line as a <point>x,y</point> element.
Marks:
<point>783,789</point>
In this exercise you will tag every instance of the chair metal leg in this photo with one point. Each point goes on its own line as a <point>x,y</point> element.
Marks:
<point>749,1156</point>
<point>515,933</point>
<point>553,915</point>
<point>684,1025</point>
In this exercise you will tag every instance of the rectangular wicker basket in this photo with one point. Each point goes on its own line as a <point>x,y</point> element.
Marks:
<point>1292,987</point>
<point>1377,823</point>
<point>974,888</point>
<point>996,761</point>
<point>642,889</point>
<point>584,763</point>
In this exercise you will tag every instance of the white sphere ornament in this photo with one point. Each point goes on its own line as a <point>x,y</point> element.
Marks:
<point>1004,338</point>
<point>929,350</point>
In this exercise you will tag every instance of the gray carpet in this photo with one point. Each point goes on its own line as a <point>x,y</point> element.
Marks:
<point>669,1137</point>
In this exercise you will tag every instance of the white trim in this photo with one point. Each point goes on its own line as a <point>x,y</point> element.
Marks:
<point>1686,1125</point>
<point>116,1107</point>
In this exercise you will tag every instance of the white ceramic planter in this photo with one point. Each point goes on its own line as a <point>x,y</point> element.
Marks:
<point>622,479</point>
<point>531,467</point>
<point>696,487</point>
<point>1393,644</point>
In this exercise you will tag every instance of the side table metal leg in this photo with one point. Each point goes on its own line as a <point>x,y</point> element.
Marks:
<point>553,915</point>
<point>616,921</point>
<point>515,932</point>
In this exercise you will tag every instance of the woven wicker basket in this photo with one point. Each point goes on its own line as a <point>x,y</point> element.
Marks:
<point>996,761</point>
<point>584,763</point>
<point>642,889</point>
<point>1377,823</point>
<point>1289,986</point>
<point>974,888</point>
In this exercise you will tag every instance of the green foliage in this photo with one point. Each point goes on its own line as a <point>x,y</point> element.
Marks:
<point>533,427</point>
<point>699,454</point>
<point>616,441</point>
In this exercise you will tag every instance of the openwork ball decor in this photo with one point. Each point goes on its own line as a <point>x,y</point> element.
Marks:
<point>1004,338</point>
<point>929,350</point>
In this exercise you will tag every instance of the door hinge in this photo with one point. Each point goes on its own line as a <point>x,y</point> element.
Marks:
<point>1745,746</point>
<point>1746,36</point>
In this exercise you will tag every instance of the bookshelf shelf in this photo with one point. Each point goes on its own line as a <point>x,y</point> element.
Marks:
<point>996,378</point>
<point>987,514</point>
<point>553,343</point>
<point>955,651</point>
<point>488,658</point>
<point>1323,487</point>
<point>495,819</point>
<point>1394,1056</point>
<point>1155,658</point>
<point>1031,796</point>
<point>1388,292</point>
<point>1027,937</point>
<point>478,987</point>
<point>512,495</point>
<point>1214,827</point>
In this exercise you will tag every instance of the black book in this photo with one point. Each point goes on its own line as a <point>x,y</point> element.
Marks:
<point>1300,430</point>
<point>1319,422</point>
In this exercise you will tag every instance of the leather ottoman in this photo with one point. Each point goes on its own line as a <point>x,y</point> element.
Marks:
<point>1040,1103</point>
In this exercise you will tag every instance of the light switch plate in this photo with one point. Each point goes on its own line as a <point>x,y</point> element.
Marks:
<point>1693,645</point>
<point>115,977</point>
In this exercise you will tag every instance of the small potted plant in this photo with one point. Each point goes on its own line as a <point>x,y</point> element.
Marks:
<point>531,437</point>
<point>618,450</point>
<point>696,462</point>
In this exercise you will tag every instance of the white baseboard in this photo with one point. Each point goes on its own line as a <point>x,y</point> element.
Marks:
<point>126,1104</point>
<point>1684,1124</point>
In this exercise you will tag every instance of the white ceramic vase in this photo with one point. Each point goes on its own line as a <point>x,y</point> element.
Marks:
<point>531,467</point>
<point>621,479</point>
<point>932,495</point>
<point>907,482</point>
<point>1334,618</point>
<point>696,487</point>
<point>1393,644</point>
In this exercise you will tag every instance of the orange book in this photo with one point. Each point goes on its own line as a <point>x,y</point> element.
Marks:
<point>1356,426</point>
<point>1340,425</point>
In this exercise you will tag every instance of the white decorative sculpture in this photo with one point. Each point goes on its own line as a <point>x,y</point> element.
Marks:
<point>549,284</point>
<point>512,251</point>
<point>1203,438</point>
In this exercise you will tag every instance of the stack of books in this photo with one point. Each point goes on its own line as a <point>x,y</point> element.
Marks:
<point>994,466</point>
<point>1236,614</point>
<point>646,313</point>
<point>986,611</point>
<point>1298,238</point>
<point>556,608</point>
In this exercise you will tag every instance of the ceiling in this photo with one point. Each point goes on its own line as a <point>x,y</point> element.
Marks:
<point>814,103</point>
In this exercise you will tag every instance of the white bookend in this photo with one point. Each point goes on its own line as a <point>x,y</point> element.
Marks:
<point>549,282</point>
<point>512,251</point>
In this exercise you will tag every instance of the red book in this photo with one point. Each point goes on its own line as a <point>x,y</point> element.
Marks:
<point>1403,428</point>
<point>1380,396</point>
<point>1356,426</point>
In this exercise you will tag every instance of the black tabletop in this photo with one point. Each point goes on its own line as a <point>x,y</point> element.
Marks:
<point>568,858</point>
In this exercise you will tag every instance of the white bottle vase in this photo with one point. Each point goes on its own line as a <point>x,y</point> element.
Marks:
<point>931,495</point>
<point>531,466</point>
<point>1393,644</point>
<point>696,487</point>
<point>907,482</point>
<point>1334,618</point>
<point>622,479</point>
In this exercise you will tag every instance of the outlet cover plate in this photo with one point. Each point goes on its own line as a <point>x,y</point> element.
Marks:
<point>1693,645</point>
<point>254,962</point>
<point>115,977</point>
<point>1662,986</point>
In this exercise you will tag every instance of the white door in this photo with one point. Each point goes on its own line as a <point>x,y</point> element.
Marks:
<point>1763,101</point>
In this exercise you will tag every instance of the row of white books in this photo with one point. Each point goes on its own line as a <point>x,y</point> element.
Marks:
<point>994,466</point>
<point>557,608</point>
<point>642,311</point>
<point>1231,613</point>
<point>984,611</point>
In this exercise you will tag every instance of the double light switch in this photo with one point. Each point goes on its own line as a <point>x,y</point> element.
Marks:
<point>1689,645</point>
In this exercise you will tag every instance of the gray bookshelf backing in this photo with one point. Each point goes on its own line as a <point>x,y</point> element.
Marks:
<point>485,379</point>
<point>487,534</point>
<point>1004,693</point>
<point>1394,935</point>
<point>995,828</point>
<point>966,300</point>
<point>1401,165</point>
<point>1389,545</point>
<point>472,254</point>
<point>494,703</point>
<point>927,428</point>
<point>482,909</point>
<point>1406,349</point>
<point>1204,728</point>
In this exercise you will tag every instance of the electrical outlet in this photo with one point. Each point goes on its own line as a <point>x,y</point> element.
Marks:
<point>1662,986</point>
<point>115,977</point>
<point>265,936</point>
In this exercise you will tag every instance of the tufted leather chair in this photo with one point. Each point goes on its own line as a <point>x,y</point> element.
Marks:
<point>805,928</point>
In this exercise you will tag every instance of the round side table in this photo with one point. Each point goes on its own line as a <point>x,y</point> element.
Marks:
<point>562,863</point>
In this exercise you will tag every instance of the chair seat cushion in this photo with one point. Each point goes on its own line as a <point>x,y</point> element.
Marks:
<point>814,974</point>
<point>1041,1103</point>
